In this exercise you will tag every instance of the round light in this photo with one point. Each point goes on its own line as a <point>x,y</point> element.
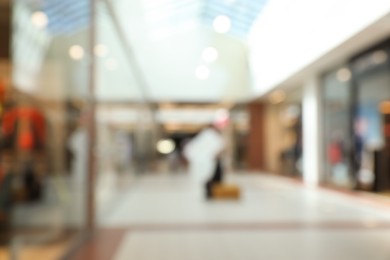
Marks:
<point>210,54</point>
<point>379,57</point>
<point>343,75</point>
<point>277,97</point>
<point>76,52</point>
<point>202,72</point>
<point>166,146</point>
<point>111,64</point>
<point>100,50</point>
<point>222,24</point>
<point>39,19</point>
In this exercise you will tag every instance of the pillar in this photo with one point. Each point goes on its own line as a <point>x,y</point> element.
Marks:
<point>311,106</point>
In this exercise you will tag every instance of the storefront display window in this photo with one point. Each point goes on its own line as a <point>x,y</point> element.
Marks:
<point>356,109</point>
<point>337,120</point>
<point>371,119</point>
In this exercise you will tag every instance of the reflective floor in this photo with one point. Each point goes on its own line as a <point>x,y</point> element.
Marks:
<point>166,217</point>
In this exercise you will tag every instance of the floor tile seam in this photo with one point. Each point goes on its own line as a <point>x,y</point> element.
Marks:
<point>264,226</point>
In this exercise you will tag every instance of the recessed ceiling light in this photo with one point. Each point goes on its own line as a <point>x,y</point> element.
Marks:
<point>379,57</point>
<point>76,52</point>
<point>202,72</point>
<point>222,24</point>
<point>277,97</point>
<point>39,19</point>
<point>343,75</point>
<point>210,54</point>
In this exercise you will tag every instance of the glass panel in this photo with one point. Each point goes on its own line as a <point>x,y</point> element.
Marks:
<point>372,147</point>
<point>126,132</point>
<point>44,157</point>
<point>337,119</point>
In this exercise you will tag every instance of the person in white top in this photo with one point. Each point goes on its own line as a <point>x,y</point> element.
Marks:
<point>203,153</point>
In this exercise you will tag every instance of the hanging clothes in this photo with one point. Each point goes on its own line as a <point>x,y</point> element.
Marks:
<point>23,128</point>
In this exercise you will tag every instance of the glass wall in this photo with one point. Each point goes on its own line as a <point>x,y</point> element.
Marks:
<point>356,100</point>
<point>44,148</point>
<point>337,114</point>
<point>75,123</point>
<point>371,119</point>
<point>126,131</point>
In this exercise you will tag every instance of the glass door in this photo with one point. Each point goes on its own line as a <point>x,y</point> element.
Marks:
<point>372,120</point>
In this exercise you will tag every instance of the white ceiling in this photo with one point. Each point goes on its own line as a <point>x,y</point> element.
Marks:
<point>168,57</point>
<point>168,41</point>
<point>294,40</point>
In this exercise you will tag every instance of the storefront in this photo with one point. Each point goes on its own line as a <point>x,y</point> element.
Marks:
<point>283,137</point>
<point>337,120</point>
<point>356,108</point>
<point>371,72</point>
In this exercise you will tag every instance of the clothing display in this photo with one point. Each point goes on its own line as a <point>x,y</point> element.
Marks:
<point>23,128</point>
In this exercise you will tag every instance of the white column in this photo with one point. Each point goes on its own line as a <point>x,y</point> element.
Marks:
<point>311,133</point>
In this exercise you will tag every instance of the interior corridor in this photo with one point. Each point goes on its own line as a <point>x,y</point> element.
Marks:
<point>166,217</point>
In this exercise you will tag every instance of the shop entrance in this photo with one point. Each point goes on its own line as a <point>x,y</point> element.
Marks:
<point>372,120</point>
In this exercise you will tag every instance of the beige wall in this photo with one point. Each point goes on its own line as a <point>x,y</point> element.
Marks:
<point>273,132</point>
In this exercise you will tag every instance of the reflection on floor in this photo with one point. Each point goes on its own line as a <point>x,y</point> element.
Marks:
<point>176,200</point>
<point>166,217</point>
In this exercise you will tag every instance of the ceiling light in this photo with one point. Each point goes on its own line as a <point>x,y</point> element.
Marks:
<point>222,24</point>
<point>202,72</point>
<point>166,146</point>
<point>39,19</point>
<point>277,97</point>
<point>101,50</point>
<point>210,54</point>
<point>343,75</point>
<point>76,52</point>
<point>379,57</point>
<point>111,64</point>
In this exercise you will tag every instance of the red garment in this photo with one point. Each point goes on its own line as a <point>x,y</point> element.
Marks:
<point>334,153</point>
<point>30,127</point>
<point>26,140</point>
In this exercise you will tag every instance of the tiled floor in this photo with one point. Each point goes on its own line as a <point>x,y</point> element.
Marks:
<point>256,244</point>
<point>49,251</point>
<point>166,217</point>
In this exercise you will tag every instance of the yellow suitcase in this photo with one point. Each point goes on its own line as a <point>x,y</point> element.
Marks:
<point>225,191</point>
